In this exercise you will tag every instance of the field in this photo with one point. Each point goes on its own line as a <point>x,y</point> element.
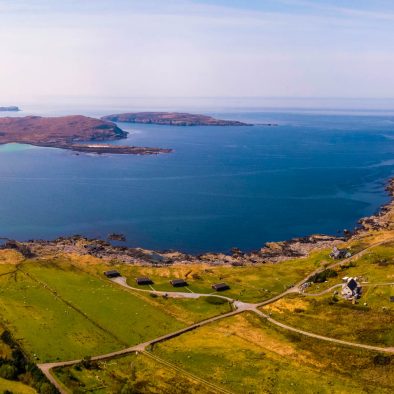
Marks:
<point>58,312</point>
<point>248,283</point>
<point>135,372</point>
<point>370,321</point>
<point>246,354</point>
<point>372,324</point>
<point>15,387</point>
<point>242,354</point>
<point>63,308</point>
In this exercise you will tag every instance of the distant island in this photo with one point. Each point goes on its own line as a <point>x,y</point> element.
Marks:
<point>68,132</point>
<point>11,108</point>
<point>172,119</point>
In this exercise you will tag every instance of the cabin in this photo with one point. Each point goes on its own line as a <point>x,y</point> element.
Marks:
<point>112,274</point>
<point>178,282</point>
<point>220,286</point>
<point>351,289</point>
<point>337,254</point>
<point>144,281</point>
<point>391,298</point>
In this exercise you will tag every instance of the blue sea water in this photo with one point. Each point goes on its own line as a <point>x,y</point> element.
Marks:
<point>221,187</point>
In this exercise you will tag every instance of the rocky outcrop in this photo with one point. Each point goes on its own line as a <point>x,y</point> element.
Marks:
<point>383,219</point>
<point>297,247</point>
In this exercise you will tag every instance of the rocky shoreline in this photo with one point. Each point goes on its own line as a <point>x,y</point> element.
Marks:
<point>272,252</point>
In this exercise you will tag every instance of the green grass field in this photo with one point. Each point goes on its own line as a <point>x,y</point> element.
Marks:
<point>135,372</point>
<point>58,312</point>
<point>372,324</point>
<point>376,266</point>
<point>15,387</point>
<point>247,354</point>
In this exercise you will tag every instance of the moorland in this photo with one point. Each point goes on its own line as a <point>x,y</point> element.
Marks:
<point>281,326</point>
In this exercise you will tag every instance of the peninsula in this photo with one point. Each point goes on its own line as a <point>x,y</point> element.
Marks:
<point>68,132</point>
<point>172,119</point>
<point>11,108</point>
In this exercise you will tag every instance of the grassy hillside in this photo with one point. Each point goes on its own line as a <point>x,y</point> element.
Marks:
<point>58,312</point>
<point>246,354</point>
<point>252,283</point>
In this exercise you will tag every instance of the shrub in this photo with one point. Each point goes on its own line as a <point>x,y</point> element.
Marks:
<point>215,300</point>
<point>321,277</point>
<point>381,359</point>
<point>8,371</point>
<point>47,388</point>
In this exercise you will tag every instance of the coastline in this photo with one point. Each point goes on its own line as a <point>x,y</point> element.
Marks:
<point>271,252</point>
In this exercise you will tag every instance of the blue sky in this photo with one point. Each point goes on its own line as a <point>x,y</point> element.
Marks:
<point>156,48</point>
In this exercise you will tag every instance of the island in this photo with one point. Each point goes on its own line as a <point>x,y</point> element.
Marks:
<point>69,132</point>
<point>171,118</point>
<point>11,108</point>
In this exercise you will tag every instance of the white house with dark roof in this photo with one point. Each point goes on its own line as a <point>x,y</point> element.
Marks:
<point>351,289</point>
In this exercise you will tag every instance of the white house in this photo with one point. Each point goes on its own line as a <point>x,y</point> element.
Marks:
<point>351,289</point>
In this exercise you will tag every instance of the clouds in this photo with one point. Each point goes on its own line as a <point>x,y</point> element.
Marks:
<point>195,48</point>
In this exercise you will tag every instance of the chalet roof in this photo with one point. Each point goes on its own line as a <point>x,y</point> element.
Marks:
<point>220,286</point>
<point>144,281</point>
<point>111,272</point>
<point>352,284</point>
<point>178,282</point>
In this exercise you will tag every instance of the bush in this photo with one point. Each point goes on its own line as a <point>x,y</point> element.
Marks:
<point>47,388</point>
<point>7,338</point>
<point>215,300</point>
<point>321,277</point>
<point>381,359</point>
<point>8,371</point>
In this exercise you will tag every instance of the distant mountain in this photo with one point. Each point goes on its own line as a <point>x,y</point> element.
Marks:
<point>171,118</point>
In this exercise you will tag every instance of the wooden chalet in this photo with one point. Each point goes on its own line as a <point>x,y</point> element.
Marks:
<point>220,286</point>
<point>144,281</point>
<point>178,282</point>
<point>112,274</point>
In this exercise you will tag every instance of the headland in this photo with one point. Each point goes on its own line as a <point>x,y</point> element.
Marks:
<point>171,119</point>
<point>69,132</point>
<point>11,108</point>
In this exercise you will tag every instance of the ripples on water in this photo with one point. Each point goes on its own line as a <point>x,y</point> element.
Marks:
<point>222,186</point>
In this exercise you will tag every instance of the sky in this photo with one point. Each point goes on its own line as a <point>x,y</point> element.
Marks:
<point>196,48</point>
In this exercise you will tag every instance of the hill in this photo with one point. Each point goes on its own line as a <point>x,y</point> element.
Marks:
<point>67,132</point>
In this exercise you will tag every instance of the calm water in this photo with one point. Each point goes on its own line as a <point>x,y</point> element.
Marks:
<point>222,187</point>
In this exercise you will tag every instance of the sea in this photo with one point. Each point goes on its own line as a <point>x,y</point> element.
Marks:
<point>317,171</point>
